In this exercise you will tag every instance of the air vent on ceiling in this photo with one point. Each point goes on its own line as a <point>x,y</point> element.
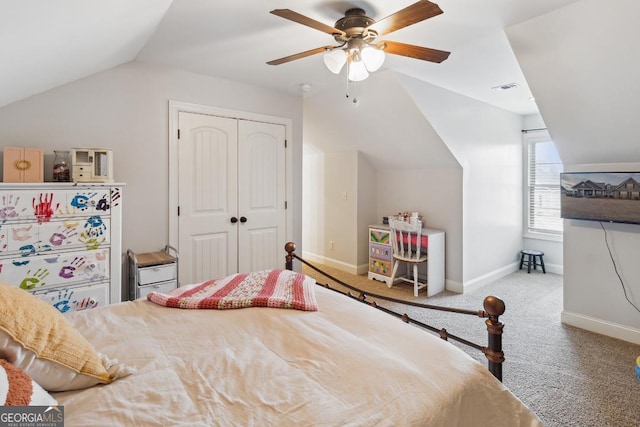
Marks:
<point>505,86</point>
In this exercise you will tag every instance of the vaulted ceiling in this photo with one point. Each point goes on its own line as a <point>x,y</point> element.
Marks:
<point>44,44</point>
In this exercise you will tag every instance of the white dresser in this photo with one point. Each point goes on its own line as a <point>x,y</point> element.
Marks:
<point>63,242</point>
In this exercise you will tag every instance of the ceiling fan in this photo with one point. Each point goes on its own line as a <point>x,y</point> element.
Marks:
<point>356,35</point>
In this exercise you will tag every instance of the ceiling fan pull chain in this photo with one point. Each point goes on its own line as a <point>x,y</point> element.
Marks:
<point>355,94</point>
<point>348,65</point>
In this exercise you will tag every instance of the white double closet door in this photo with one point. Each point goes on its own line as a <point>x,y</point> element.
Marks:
<point>232,194</point>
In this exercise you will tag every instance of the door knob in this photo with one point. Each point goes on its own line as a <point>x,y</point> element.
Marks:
<point>234,220</point>
<point>243,219</point>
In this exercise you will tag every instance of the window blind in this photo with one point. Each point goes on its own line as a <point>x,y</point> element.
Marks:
<point>543,184</point>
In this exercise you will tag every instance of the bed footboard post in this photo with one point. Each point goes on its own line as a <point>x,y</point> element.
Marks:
<point>290,247</point>
<point>494,307</point>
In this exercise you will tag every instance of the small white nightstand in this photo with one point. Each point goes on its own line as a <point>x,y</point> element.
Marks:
<point>152,272</point>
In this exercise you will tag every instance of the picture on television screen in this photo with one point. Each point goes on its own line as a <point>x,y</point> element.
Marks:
<point>601,196</point>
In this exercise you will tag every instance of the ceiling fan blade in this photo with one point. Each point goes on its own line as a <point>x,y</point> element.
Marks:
<point>300,55</point>
<point>408,16</point>
<point>304,20</point>
<point>412,51</point>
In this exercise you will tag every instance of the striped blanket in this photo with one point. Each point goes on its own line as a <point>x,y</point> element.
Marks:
<point>268,288</point>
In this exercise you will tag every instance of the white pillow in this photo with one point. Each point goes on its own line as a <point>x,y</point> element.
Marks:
<point>37,338</point>
<point>18,389</point>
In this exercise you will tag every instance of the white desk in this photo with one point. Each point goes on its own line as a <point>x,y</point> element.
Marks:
<point>381,256</point>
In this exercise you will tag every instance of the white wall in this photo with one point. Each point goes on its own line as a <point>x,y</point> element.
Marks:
<point>437,194</point>
<point>594,295</point>
<point>417,136</point>
<point>487,143</point>
<point>313,202</point>
<point>392,137</point>
<point>341,203</point>
<point>581,64</point>
<point>368,191</point>
<point>340,200</point>
<point>126,109</point>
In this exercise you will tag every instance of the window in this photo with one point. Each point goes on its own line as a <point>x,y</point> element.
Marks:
<point>542,185</point>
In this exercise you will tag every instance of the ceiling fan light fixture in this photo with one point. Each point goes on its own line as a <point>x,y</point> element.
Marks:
<point>372,57</point>
<point>335,60</point>
<point>357,71</point>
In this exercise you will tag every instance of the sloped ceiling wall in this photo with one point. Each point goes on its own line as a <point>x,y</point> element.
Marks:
<point>582,65</point>
<point>389,129</point>
<point>46,44</point>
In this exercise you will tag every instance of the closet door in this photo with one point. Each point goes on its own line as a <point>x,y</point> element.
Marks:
<point>231,191</point>
<point>261,196</point>
<point>208,197</point>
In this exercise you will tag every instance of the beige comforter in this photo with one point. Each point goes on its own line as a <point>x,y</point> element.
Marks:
<point>344,365</point>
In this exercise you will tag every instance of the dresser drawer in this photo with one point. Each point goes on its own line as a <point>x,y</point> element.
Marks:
<point>156,273</point>
<point>380,267</point>
<point>67,300</point>
<point>163,287</point>
<point>378,236</point>
<point>52,268</point>
<point>382,252</point>
<point>32,238</point>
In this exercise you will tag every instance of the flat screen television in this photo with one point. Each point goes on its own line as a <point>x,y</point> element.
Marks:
<point>600,196</point>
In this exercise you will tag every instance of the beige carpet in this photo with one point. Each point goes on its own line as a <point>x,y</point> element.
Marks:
<point>568,376</point>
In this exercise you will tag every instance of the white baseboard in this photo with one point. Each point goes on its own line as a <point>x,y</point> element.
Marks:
<point>495,275</point>
<point>490,277</point>
<point>554,268</point>
<point>599,326</point>
<point>340,265</point>
<point>452,286</point>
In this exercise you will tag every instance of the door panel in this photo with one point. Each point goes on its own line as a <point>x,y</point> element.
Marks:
<point>207,193</point>
<point>210,256</point>
<point>261,179</point>
<point>261,250</point>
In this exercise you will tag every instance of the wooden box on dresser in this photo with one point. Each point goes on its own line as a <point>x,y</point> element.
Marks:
<point>63,242</point>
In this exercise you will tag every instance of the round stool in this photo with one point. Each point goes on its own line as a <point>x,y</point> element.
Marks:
<point>533,258</point>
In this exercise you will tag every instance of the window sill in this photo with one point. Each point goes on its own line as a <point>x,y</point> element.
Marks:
<point>544,236</point>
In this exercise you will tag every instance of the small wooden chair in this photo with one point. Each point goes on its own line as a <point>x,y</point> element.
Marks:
<point>405,241</point>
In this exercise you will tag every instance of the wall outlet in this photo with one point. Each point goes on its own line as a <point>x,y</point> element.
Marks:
<point>330,245</point>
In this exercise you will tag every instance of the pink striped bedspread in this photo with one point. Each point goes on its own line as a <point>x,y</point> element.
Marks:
<point>267,288</point>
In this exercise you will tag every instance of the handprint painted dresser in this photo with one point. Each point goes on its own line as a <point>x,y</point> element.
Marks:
<point>62,242</point>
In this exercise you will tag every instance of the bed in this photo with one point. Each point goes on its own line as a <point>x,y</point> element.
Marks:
<point>344,364</point>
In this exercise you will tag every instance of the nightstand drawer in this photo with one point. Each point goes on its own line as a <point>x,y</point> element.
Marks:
<point>157,287</point>
<point>156,273</point>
